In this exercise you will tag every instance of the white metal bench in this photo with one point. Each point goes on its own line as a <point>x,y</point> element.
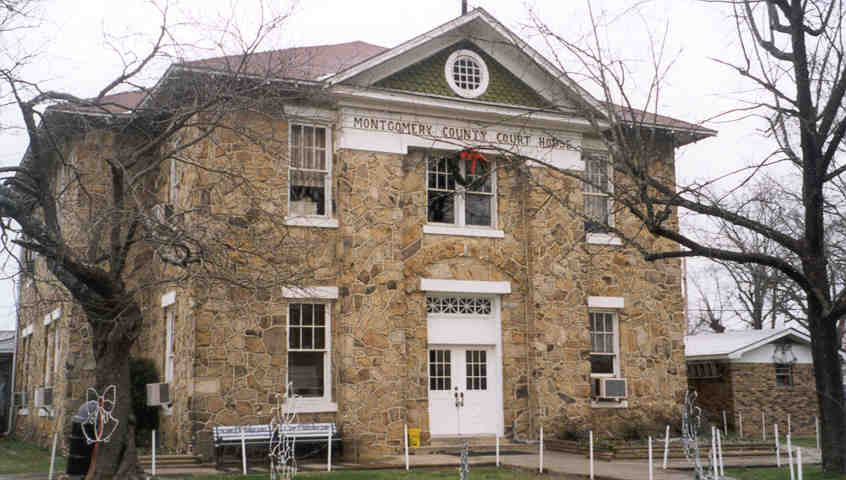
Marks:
<point>259,435</point>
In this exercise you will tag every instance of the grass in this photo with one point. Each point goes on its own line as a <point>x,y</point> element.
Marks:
<point>804,442</point>
<point>809,472</point>
<point>22,457</point>
<point>475,473</point>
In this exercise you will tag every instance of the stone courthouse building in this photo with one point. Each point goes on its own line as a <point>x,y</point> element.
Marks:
<point>432,276</point>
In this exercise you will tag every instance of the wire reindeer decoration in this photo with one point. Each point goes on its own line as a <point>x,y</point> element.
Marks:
<point>691,425</point>
<point>100,417</point>
<point>283,464</point>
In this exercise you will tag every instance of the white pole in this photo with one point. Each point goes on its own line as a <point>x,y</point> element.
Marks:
<point>497,450</point>
<point>407,466</point>
<point>740,422</point>
<point>790,457</point>
<point>154,453</point>
<point>778,448</point>
<point>725,425</point>
<point>720,453</point>
<point>714,450</point>
<point>666,446</point>
<point>329,451</point>
<point>763,428</point>
<point>243,451</point>
<point>590,443</point>
<point>799,463</point>
<point>789,430</point>
<point>650,457</point>
<point>817,427</point>
<point>540,460</point>
<point>53,455</point>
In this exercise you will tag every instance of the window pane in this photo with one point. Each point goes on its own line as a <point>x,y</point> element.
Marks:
<point>320,338</point>
<point>294,314</point>
<point>320,314</point>
<point>478,209</point>
<point>441,207</point>
<point>305,371</point>
<point>320,137</point>
<point>308,193</point>
<point>602,364</point>
<point>308,314</point>
<point>294,338</point>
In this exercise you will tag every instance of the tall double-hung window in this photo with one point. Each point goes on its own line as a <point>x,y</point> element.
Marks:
<point>597,199</point>
<point>460,193</point>
<point>310,193</point>
<point>308,350</point>
<point>603,344</point>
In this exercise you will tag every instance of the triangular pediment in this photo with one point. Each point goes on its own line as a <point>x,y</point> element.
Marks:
<point>518,75</point>
<point>428,76</point>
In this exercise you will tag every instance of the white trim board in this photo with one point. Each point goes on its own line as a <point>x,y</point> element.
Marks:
<point>464,286</point>
<point>606,302</point>
<point>328,293</point>
<point>168,299</point>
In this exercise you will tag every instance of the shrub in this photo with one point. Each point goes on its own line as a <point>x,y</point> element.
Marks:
<point>141,372</point>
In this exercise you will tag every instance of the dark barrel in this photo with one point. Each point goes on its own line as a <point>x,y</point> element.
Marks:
<point>79,456</point>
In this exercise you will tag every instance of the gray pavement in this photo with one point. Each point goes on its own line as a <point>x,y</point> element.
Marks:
<point>554,462</point>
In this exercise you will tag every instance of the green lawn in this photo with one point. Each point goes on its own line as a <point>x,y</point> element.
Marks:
<point>804,442</point>
<point>809,472</point>
<point>475,473</point>
<point>21,457</point>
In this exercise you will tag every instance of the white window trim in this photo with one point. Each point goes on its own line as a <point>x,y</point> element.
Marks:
<point>483,70</point>
<point>603,238</point>
<point>168,302</point>
<point>444,229</point>
<point>168,299</point>
<point>313,292</point>
<point>26,331</point>
<point>320,221</point>
<point>606,303</point>
<point>23,412</point>
<point>464,286</point>
<point>460,227</point>
<point>314,404</point>
<point>596,403</point>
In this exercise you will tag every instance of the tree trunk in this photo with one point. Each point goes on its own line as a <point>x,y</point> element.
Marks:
<point>830,395</point>
<point>117,457</point>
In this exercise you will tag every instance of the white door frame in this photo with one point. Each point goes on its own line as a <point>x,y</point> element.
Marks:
<point>471,332</point>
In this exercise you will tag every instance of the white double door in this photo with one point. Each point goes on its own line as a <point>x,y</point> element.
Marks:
<point>463,384</point>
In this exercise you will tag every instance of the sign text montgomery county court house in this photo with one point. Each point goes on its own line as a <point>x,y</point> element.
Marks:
<point>475,135</point>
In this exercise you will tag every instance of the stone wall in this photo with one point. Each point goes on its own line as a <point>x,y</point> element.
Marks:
<point>754,388</point>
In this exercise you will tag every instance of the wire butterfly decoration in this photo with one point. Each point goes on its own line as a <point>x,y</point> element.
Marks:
<point>283,464</point>
<point>100,415</point>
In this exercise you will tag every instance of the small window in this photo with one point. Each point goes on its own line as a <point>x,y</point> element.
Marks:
<point>476,370</point>
<point>597,200</point>
<point>603,344</point>
<point>460,192</point>
<point>466,73</point>
<point>308,354</point>
<point>310,171</point>
<point>784,374</point>
<point>440,370</point>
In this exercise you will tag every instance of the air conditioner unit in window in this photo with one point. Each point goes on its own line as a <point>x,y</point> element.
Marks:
<point>158,394</point>
<point>614,388</point>
<point>44,397</point>
<point>19,399</point>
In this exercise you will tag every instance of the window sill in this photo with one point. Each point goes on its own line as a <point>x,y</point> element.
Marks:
<point>23,412</point>
<point>603,239</point>
<point>608,404</point>
<point>307,221</point>
<point>314,406</point>
<point>167,410</point>
<point>463,231</point>
<point>45,412</point>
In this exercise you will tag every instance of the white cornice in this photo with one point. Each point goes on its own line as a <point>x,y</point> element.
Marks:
<point>500,114</point>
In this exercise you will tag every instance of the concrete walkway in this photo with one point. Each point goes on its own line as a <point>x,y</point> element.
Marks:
<point>554,462</point>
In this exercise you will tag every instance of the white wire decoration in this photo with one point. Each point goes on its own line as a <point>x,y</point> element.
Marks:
<point>464,465</point>
<point>283,464</point>
<point>100,417</point>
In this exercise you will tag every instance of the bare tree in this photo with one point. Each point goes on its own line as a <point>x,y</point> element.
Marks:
<point>792,51</point>
<point>87,197</point>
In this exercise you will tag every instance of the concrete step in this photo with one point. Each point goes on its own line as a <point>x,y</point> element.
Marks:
<point>448,441</point>
<point>171,461</point>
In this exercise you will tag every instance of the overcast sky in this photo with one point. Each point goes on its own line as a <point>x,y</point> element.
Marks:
<point>71,53</point>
